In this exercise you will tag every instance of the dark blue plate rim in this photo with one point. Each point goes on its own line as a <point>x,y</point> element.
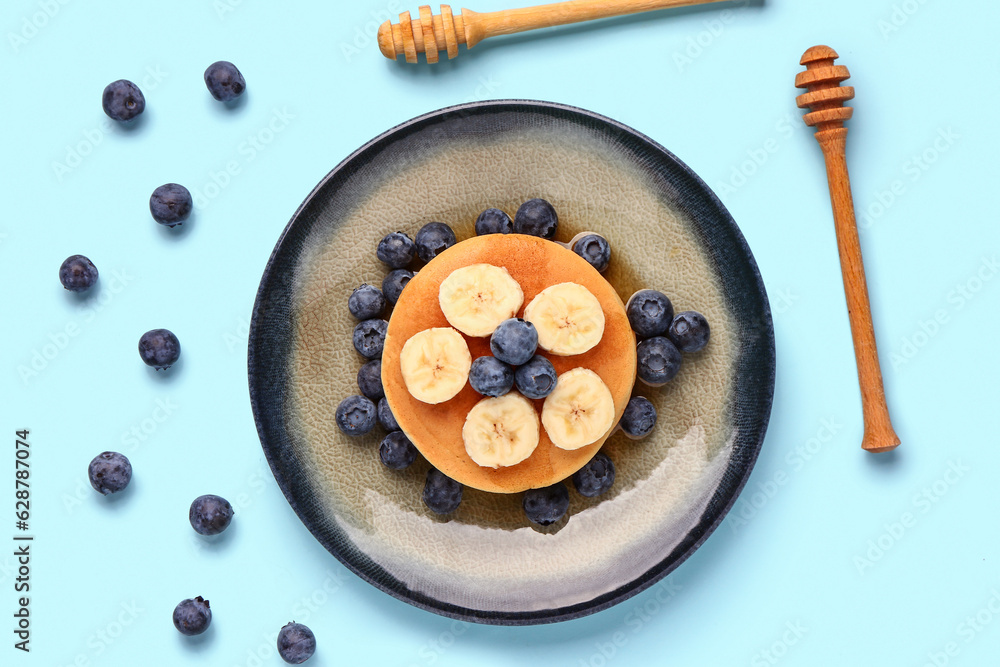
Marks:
<point>755,371</point>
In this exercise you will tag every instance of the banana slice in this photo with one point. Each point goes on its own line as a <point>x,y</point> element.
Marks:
<point>579,411</point>
<point>501,431</point>
<point>478,297</point>
<point>435,364</point>
<point>569,319</point>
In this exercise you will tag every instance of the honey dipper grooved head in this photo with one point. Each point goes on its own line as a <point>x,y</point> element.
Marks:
<point>825,96</point>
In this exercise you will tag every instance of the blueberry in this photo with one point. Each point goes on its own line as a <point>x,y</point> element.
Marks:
<point>210,515</point>
<point>159,348</point>
<point>394,283</point>
<point>396,451</point>
<point>493,221</point>
<point>224,81</point>
<point>369,338</point>
<point>192,617</point>
<point>491,377</point>
<point>546,506</point>
<point>658,361</point>
<point>689,331</point>
<point>396,250</point>
<point>385,416</point>
<point>110,472</point>
<point>639,417</point>
<point>77,273</point>
<point>595,249</point>
<point>122,100</point>
<point>537,218</point>
<point>296,643</point>
<point>356,415</point>
<point>441,494</point>
<point>366,302</point>
<point>514,341</point>
<point>537,378</point>
<point>596,477</point>
<point>433,239</point>
<point>170,204</point>
<point>649,312</point>
<point>370,380</point>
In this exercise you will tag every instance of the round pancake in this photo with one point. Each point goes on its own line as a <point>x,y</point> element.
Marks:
<point>436,430</point>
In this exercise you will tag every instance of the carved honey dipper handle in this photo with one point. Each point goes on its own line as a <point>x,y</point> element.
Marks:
<point>429,34</point>
<point>825,98</point>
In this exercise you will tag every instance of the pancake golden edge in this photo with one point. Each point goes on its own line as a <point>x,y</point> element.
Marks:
<point>436,430</point>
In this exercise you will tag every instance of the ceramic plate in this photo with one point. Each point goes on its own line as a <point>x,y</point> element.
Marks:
<point>485,562</point>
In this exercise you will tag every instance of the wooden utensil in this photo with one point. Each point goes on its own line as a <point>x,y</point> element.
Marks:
<point>430,34</point>
<point>825,98</point>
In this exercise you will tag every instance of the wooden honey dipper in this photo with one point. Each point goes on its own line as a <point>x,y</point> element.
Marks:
<point>825,98</point>
<point>430,34</point>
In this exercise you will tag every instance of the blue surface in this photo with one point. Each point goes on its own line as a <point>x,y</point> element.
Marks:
<point>838,557</point>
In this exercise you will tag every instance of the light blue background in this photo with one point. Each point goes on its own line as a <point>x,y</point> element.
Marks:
<point>713,87</point>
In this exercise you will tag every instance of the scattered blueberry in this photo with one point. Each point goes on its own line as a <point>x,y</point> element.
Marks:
<point>370,379</point>
<point>514,341</point>
<point>356,415</point>
<point>595,249</point>
<point>441,494</point>
<point>122,100</point>
<point>366,302</point>
<point>433,239</point>
<point>396,250</point>
<point>396,451</point>
<point>110,472</point>
<point>224,81</point>
<point>537,218</point>
<point>493,221</point>
<point>77,273</point>
<point>649,312</point>
<point>159,348</point>
<point>170,204</point>
<point>689,331</point>
<point>394,283</point>
<point>369,338</point>
<point>385,416</point>
<point>639,417</point>
<point>491,377</point>
<point>537,378</point>
<point>210,515</point>
<point>546,506</point>
<point>596,477</point>
<point>192,617</point>
<point>658,361</point>
<point>296,643</point>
